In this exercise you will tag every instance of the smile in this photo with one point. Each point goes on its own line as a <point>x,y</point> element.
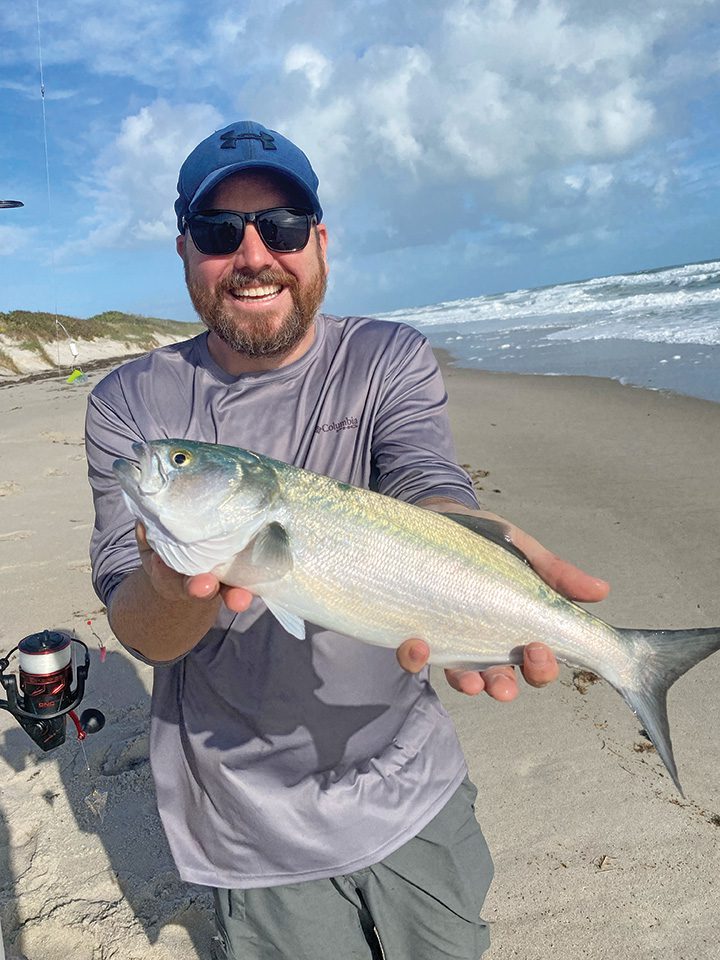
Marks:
<point>257,293</point>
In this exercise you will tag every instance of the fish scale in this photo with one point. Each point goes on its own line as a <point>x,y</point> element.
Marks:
<point>381,571</point>
<point>419,585</point>
<point>436,558</point>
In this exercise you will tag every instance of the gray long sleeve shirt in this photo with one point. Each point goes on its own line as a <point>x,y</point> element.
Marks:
<point>278,760</point>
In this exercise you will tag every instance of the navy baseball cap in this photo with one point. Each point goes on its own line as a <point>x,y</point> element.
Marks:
<point>244,145</point>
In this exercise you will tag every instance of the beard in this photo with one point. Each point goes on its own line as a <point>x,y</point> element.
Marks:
<point>266,338</point>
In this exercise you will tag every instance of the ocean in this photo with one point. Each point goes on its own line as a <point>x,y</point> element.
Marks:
<point>658,329</point>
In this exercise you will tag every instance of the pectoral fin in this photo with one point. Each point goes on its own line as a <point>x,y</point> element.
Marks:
<point>266,558</point>
<point>270,551</point>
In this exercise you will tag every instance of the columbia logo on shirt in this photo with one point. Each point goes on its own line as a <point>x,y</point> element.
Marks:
<point>349,423</point>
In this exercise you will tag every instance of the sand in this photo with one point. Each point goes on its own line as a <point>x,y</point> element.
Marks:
<point>596,854</point>
<point>68,354</point>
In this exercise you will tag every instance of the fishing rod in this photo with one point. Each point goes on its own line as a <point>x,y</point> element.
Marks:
<point>42,696</point>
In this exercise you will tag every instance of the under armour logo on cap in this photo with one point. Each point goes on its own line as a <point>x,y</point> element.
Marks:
<point>230,139</point>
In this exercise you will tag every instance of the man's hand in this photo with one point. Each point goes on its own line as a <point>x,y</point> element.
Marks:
<point>163,614</point>
<point>172,585</point>
<point>539,665</point>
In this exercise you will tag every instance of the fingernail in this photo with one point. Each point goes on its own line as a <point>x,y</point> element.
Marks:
<point>417,654</point>
<point>537,655</point>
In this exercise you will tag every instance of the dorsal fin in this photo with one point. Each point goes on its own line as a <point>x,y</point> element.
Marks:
<point>493,530</point>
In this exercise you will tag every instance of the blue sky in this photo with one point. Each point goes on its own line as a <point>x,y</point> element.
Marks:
<point>465,148</point>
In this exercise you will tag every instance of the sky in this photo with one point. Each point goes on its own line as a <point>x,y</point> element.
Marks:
<point>463,148</point>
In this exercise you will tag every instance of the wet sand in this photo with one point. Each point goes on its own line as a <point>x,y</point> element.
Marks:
<point>596,854</point>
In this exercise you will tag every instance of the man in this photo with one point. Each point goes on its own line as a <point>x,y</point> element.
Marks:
<point>316,786</point>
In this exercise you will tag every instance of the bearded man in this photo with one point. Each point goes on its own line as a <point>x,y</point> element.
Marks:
<point>318,787</point>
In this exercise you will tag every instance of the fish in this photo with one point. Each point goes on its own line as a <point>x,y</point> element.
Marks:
<point>380,570</point>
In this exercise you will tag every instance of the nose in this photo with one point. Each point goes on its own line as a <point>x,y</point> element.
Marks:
<point>252,254</point>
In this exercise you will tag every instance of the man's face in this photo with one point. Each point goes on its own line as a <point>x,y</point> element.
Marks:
<point>260,304</point>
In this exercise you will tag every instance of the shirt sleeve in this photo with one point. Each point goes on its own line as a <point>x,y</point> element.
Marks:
<point>110,432</point>
<point>413,450</point>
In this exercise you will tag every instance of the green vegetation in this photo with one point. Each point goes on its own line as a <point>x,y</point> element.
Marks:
<point>36,345</point>
<point>38,331</point>
<point>7,363</point>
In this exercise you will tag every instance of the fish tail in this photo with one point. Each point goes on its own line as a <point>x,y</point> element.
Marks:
<point>664,656</point>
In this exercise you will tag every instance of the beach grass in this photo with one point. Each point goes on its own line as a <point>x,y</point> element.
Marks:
<point>36,332</point>
<point>31,329</point>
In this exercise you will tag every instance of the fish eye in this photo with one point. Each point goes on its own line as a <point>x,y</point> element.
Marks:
<point>180,458</point>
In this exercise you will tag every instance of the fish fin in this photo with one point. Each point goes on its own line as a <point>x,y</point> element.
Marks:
<point>271,550</point>
<point>664,656</point>
<point>265,559</point>
<point>492,530</point>
<point>289,621</point>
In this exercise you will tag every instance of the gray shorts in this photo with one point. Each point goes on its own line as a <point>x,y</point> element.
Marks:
<point>421,903</point>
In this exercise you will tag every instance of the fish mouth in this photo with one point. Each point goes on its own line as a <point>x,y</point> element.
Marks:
<point>144,479</point>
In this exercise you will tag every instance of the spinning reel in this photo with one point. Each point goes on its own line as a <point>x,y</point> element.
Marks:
<point>45,695</point>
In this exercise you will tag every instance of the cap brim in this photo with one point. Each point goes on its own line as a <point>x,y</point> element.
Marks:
<point>212,179</point>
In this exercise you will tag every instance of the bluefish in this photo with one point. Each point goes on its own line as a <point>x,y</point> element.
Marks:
<point>380,570</point>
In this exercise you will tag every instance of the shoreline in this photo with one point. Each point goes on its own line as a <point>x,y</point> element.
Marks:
<point>596,855</point>
<point>595,442</point>
<point>450,361</point>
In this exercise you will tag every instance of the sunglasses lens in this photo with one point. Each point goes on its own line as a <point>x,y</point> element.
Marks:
<point>219,233</point>
<point>284,231</point>
<point>216,235</point>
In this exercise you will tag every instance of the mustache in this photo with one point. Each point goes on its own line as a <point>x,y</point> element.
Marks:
<point>239,280</point>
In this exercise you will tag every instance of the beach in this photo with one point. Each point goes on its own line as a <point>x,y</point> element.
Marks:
<point>597,856</point>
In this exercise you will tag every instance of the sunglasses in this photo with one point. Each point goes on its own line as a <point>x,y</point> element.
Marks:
<point>219,232</point>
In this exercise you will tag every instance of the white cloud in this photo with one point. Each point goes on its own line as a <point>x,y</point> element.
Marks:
<point>421,121</point>
<point>591,180</point>
<point>484,90</point>
<point>14,239</point>
<point>387,104</point>
<point>228,29</point>
<point>132,186</point>
<point>496,90</point>
<point>329,142</point>
<point>304,59</point>
<point>153,230</point>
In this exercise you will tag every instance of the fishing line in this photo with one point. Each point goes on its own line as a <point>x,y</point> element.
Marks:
<point>96,800</point>
<point>53,273</point>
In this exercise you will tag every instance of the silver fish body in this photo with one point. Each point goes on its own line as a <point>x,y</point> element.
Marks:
<point>381,570</point>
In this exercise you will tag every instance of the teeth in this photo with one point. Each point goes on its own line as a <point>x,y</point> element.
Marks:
<point>255,293</point>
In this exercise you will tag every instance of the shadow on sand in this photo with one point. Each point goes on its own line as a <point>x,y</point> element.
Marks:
<point>129,826</point>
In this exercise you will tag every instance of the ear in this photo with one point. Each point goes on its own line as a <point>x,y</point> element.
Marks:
<point>323,241</point>
<point>180,245</point>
